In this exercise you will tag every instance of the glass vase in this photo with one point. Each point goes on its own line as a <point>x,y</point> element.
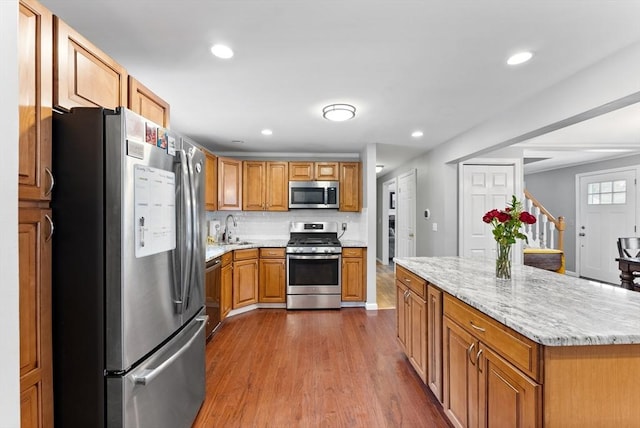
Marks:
<point>503,261</point>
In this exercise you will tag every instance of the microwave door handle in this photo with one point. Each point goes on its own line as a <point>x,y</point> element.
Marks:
<point>326,195</point>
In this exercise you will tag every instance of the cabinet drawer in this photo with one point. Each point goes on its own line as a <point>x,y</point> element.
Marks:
<point>414,282</point>
<point>249,253</point>
<point>517,349</point>
<point>271,253</point>
<point>227,258</point>
<point>352,252</point>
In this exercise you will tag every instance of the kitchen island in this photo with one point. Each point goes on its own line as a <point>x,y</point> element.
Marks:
<point>542,349</point>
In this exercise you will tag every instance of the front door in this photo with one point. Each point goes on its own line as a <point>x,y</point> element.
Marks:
<point>607,211</point>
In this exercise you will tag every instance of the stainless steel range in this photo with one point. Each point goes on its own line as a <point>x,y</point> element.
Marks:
<point>314,256</point>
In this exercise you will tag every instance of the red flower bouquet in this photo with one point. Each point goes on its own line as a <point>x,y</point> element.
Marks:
<point>506,229</point>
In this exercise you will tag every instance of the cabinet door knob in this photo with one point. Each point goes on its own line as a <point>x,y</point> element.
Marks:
<point>52,182</point>
<point>469,351</point>
<point>51,228</point>
<point>476,327</point>
<point>478,360</point>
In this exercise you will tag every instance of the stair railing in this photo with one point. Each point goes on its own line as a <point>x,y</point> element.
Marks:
<point>543,231</point>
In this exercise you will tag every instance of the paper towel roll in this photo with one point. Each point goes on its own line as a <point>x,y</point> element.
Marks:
<point>214,229</point>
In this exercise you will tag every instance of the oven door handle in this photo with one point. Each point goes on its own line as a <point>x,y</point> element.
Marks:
<point>315,257</point>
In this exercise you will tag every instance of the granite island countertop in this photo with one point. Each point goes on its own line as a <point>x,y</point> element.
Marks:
<point>549,308</point>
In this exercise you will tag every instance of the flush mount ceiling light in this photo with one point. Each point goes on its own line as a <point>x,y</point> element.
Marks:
<point>417,134</point>
<point>379,168</point>
<point>519,58</point>
<point>266,132</point>
<point>222,51</point>
<point>339,112</point>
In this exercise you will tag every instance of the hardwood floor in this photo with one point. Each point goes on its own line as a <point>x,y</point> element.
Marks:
<point>323,368</point>
<point>385,286</point>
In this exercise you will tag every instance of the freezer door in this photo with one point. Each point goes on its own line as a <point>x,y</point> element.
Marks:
<point>167,389</point>
<point>148,251</point>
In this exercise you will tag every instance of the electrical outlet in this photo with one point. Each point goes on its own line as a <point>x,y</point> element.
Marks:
<point>344,226</point>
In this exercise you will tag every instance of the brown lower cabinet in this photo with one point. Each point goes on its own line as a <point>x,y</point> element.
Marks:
<point>245,277</point>
<point>484,374</point>
<point>434,340</point>
<point>34,253</point>
<point>483,389</point>
<point>273,276</point>
<point>412,323</point>
<point>226,285</point>
<point>354,275</point>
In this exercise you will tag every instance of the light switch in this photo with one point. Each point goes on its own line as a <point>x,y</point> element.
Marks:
<point>434,227</point>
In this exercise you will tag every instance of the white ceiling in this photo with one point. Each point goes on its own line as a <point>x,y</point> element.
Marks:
<point>434,65</point>
<point>607,136</point>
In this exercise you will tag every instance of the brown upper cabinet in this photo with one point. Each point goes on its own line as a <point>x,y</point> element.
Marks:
<point>35,61</point>
<point>211,182</point>
<point>301,171</point>
<point>265,186</point>
<point>306,171</point>
<point>350,186</point>
<point>147,104</point>
<point>327,171</point>
<point>229,184</point>
<point>84,75</point>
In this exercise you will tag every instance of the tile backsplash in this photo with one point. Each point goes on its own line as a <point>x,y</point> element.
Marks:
<point>275,225</point>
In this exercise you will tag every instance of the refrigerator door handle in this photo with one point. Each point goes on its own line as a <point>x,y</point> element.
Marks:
<point>185,253</point>
<point>195,228</point>
<point>147,376</point>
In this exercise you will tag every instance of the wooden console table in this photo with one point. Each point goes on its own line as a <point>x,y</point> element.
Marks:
<point>628,266</point>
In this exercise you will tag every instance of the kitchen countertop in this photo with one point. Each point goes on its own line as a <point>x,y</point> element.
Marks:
<point>216,250</point>
<point>549,308</point>
<point>352,243</point>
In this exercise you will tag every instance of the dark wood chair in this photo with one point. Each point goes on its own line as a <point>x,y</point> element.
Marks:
<point>629,247</point>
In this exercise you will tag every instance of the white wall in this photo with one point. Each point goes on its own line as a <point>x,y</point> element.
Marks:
<point>9,334</point>
<point>275,225</point>
<point>369,203</point>
<point>556,190</point>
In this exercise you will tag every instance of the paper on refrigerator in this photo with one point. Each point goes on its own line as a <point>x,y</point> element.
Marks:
<point>155,210</point>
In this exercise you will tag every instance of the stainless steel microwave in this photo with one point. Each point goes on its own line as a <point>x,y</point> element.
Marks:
<point>314,194</point>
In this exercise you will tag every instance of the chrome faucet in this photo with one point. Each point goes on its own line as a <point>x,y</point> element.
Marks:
<point>227,232</point>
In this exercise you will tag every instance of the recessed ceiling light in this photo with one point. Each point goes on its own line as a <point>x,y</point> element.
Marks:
<point>222,51</point>
<point>266,132</point>
<point>417,134</point>
<point>519,58</point>
<point>339,112</point>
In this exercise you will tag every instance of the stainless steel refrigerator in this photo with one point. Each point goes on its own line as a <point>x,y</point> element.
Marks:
<point>128,272</point>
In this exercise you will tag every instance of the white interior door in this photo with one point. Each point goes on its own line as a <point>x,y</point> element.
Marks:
<point>484,188</point>
<point>607,211</point>
<point>388,213</point>
<point>406,215</point>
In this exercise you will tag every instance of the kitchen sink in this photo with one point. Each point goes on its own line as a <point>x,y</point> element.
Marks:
<point>235,243</point>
